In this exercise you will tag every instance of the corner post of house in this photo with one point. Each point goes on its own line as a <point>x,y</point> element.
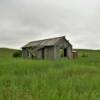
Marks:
<point>69,52</point>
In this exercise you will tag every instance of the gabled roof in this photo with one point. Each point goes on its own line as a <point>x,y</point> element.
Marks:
<point>43,43</point>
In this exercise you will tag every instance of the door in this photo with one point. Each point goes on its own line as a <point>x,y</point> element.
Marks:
<point>43,53</point>
<point>65,52</point>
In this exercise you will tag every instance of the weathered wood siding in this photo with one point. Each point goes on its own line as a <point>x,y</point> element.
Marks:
<point>69,52</point>
<point>39,54</point>
<point>61,45</point>
<point>49,52</point>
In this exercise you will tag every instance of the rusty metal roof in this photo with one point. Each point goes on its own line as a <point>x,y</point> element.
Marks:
<point>43,43</point>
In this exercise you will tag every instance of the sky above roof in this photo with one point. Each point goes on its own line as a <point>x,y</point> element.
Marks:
<point>22,21</point>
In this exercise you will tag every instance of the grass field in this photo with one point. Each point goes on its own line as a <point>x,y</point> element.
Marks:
<point>22,79</point>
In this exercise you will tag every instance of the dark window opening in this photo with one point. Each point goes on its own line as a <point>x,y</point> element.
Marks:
<point>65,52</point>
<point>42,53</point>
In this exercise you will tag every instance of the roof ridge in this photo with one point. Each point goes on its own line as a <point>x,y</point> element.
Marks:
<point>47,39</point>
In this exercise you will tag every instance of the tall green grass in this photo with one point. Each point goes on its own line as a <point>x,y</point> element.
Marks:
<point>23,79</point>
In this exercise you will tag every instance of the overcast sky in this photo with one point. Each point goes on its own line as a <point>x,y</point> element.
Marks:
<point>22,21</point>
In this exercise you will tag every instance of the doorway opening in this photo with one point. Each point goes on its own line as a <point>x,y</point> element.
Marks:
<point>63,52</point>
<point>43,53</point>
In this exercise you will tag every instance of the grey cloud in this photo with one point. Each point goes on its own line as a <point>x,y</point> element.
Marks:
<point>26,20</point>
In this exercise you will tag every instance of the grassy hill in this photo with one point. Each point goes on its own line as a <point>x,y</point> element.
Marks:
<point>22,79</point>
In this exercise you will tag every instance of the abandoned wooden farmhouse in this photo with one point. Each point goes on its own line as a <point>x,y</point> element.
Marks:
<point>53,48</point>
